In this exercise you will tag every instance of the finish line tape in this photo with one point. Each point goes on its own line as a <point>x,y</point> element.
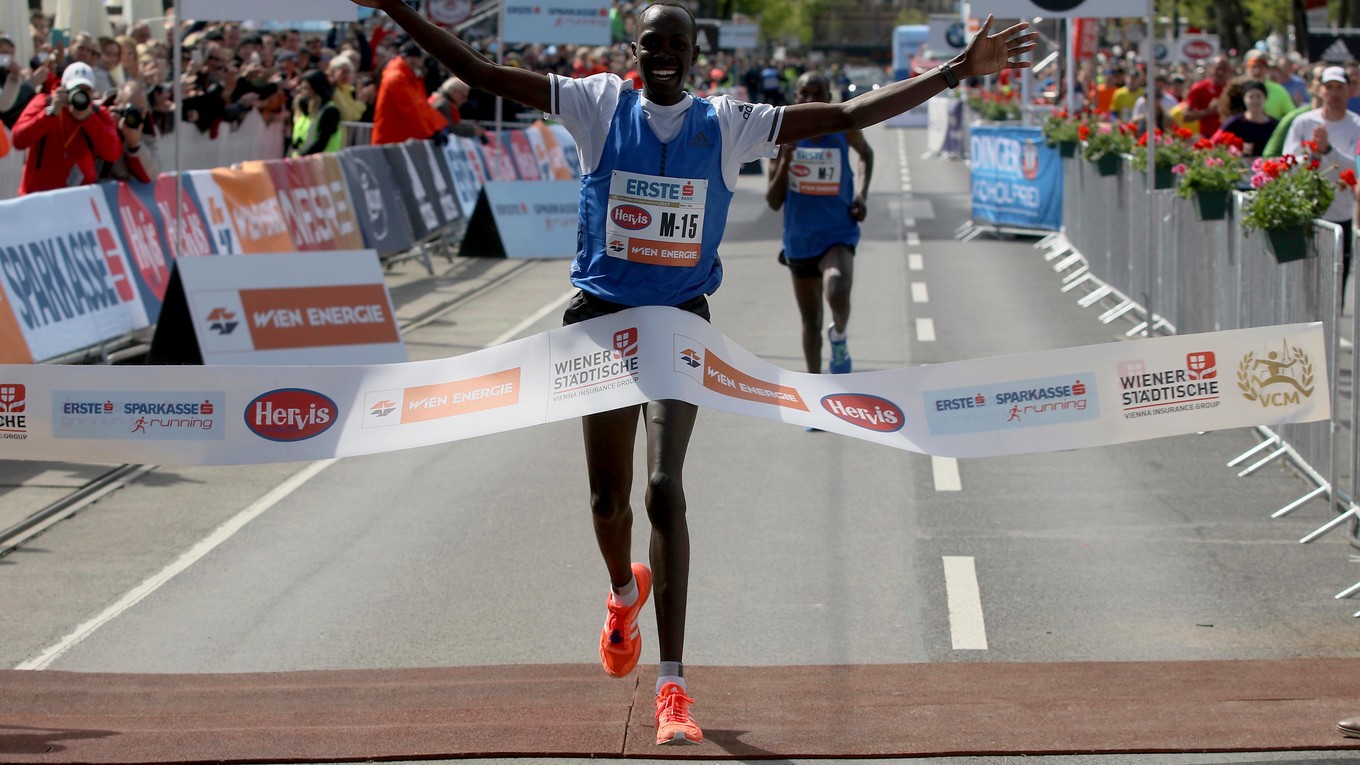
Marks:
<point>1033,402</point>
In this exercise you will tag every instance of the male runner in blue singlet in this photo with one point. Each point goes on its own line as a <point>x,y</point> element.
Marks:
<point>823,207</point>
<point>630,144</point>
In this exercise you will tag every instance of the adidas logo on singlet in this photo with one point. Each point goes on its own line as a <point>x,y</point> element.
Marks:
<point>700,141</point>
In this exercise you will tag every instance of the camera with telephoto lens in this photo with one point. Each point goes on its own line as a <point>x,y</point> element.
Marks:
<point>131,114</point>
<point>80,100</point>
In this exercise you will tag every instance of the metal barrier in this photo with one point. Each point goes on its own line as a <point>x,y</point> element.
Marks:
<point>357,133</point>
<point>1148,256</point>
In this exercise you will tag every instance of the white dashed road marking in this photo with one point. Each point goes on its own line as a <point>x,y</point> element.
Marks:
<point>965,604</point>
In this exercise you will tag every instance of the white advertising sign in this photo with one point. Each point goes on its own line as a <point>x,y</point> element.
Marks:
<point>1195,47</point>
<point>1048,401</point>
<point>557,22</point>
<point>737,36</point>
<point>293,308</point>
<point>270,10</point>
<point>947,37</point>
<point>1024,9</point>
<point>536,219</point>
<point>67,278</point>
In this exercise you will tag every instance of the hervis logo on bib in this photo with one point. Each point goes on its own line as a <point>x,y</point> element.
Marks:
<point>632,217</point>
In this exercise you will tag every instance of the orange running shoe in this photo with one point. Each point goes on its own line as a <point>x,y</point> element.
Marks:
<point>673,723</point>
<point>621,640</point>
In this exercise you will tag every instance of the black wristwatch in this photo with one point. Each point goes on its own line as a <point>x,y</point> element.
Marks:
<point>950,79</point>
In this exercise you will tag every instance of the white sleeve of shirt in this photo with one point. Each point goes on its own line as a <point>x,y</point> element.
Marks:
<point>1293,140</point>
<point>585,108</point>
<point>748,133</point>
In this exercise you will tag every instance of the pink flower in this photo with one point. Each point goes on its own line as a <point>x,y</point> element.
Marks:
<point>1233,150</point>
<point>1106,128</point>
<point>1213,162</point>
<point>1259,180</point>
<point>1258,165</point>
<point>1179,169</point>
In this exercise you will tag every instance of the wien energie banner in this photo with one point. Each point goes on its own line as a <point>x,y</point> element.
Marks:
<point>1053,400</point>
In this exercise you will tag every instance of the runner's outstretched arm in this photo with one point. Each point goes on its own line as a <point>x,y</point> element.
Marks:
<point>529,88</point>
<point>986,54</point>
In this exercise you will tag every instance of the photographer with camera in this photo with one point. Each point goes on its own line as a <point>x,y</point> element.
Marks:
<point>137,131</point>
<point>66,134</point>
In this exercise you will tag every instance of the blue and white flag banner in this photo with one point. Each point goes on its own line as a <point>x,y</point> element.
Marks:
<point>1034,402</point>
<point>1016,178</point>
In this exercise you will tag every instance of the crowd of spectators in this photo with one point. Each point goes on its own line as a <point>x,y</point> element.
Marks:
<point>96,104</point>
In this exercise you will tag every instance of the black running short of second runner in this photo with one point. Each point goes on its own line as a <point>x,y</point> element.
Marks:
<point>585,306</point>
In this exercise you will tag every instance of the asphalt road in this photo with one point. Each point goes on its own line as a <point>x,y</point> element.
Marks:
<point>808,548</point>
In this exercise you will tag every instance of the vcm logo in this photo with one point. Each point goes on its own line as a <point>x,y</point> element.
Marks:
<point>223,321</point>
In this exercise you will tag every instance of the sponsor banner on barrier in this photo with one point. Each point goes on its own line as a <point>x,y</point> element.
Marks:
<point>252,207</point>
<point>202,186</point>
<point>570,151</point>
<point>1016,404</point>
<point>540,149</point>
<point>467,177</point>
<point>526,162</point>
<point>66,278</point>
<point>420,206</point>
<point>377,201</point>
<point>1016,178</point>
<point>141,233</point>
<point>293,308</point>
<point>496,157</point>
<point>560,168</point>
<point>557,22</point>
<point>319,215</point>
<point>197,239</point>
<point>13,346</point>
<point>431,172</point>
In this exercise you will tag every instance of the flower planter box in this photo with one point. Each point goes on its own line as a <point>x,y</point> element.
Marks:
<point>1163,178</point>
<point>1107,164</point>
<point>1067,149</point>
<point>1288,244</point>
<point>1211,205</point>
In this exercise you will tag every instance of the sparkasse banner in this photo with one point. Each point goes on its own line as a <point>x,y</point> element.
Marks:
<point>1016,178</point>
<point>270,10</point>
<point>557,22</point>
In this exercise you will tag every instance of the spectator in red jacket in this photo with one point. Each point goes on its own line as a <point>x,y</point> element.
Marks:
<point>66,134</point>
<point>403,111</point>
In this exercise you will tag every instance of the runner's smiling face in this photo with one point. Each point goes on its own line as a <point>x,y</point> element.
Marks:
<point>665,50</point>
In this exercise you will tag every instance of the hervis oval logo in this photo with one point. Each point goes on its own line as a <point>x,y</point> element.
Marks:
<point>291,414</point>
<point>868,412</point>
<point>1198,49</point>
<point>632,217</point>
<point>802,171</point>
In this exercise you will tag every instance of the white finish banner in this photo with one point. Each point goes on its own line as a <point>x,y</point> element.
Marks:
<point>1035,402</point>
<point>270,10</point>
<point>557,22</point>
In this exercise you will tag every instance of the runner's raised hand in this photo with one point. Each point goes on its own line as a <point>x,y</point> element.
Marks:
<point>988,54</point>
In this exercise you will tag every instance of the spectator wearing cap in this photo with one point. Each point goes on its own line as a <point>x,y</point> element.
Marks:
<point>1112,81</point>
<point>1201,103</point>
<point>403,111</point>
<point>1278,100</point>
<point>1275,147</point>
<point>66,134</point>
<point>1336,131</point>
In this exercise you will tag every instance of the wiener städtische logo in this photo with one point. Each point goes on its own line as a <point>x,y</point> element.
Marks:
<point>13,408</point>
<point>600,369</point>
<point>1148,389</point>
<point>1278,377</point>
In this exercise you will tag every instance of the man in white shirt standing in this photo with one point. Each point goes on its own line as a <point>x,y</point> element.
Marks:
<point>1336,131</point>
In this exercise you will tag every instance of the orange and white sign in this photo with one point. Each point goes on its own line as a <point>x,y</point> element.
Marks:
<point>693,359</point>
<point>254,212</point>
<point>442,401</point>
<point>292,308</point>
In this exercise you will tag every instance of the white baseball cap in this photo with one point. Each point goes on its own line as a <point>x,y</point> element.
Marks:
<point>1335,74</point>
<point>77,74</point>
